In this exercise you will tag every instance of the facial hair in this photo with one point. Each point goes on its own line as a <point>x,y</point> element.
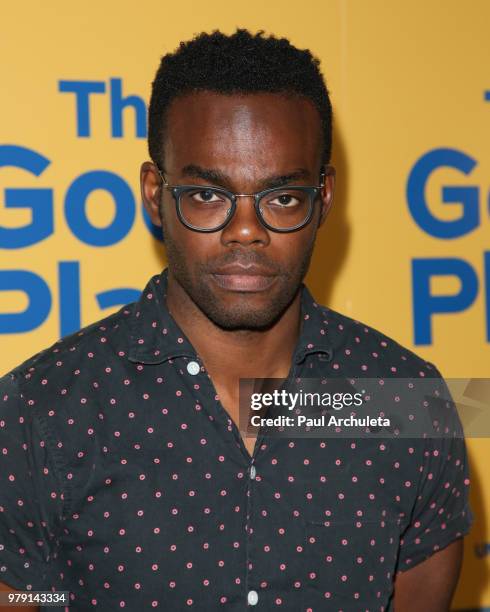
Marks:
<point>243,315</point>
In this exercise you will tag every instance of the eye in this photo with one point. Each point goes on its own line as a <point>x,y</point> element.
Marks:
<point>284,200</point>
<point>205,195</point>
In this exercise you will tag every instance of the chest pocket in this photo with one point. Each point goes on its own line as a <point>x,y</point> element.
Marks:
<point>350,564</point>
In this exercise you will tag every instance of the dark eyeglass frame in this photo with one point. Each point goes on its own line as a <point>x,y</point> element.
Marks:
<point>178,190</point>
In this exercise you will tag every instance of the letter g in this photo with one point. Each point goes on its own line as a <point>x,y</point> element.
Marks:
<point>467,196</point>
<point>39,200</point>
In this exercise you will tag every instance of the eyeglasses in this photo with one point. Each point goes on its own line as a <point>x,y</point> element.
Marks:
<point>209,209</point>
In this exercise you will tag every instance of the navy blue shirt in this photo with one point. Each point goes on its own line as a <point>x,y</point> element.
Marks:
<point>124,481</point>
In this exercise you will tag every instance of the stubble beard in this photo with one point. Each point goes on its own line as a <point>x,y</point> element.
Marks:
<point>243,315</point>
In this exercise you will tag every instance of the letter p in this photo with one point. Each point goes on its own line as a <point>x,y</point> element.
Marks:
<point>426,305</point>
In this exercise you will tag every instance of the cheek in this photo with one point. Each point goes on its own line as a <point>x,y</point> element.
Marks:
<point>176,234</point>
<point>294,246</point>
<point>192,246</point>
<point>168,216</point>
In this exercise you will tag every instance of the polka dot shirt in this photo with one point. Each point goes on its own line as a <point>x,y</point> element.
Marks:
<point>125,482</point>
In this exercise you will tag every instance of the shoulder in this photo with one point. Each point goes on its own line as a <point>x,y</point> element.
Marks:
<point>86,349</point>
<point>355,341</point>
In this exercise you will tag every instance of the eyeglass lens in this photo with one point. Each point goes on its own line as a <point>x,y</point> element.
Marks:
<point>209,208</point>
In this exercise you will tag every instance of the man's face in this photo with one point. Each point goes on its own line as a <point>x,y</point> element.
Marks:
<point>243,143</point>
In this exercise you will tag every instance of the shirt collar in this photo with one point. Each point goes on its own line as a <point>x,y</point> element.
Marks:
<point>155,336</point>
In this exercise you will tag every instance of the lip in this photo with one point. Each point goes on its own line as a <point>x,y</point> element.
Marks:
<point>250,278</point>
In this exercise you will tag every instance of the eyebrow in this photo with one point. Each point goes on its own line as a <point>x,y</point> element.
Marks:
<point>220,178</point>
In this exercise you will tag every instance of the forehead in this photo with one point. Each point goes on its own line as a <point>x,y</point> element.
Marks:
<point>242,133</point>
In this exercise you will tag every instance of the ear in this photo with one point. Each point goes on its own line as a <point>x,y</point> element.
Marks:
<point>327,192</point>
<point>150,184</point>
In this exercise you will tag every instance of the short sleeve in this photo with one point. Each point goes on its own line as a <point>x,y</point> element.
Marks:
<point>31,499</point>
<point>442,510</point>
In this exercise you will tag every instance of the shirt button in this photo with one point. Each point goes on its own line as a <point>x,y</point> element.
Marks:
<point>253,471</point>
<point>252,598</point>
<point>193,368</point>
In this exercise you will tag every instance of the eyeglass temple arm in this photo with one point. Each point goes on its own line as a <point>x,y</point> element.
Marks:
<point>162,176</point>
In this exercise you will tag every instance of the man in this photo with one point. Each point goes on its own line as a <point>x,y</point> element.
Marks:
<point>125,479</point>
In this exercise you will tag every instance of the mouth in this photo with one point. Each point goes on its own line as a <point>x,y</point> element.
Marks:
<point>244,282</point>
<point>242,277</point>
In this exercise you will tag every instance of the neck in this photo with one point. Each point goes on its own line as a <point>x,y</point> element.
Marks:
<point>231,355</point>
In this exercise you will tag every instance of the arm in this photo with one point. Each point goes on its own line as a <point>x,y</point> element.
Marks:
<point>431,551</point>
<point>5,588</point>
<point>31,497</point>
<point>430,585</point>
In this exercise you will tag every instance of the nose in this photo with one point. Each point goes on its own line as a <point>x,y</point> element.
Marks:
<point>245,227</point>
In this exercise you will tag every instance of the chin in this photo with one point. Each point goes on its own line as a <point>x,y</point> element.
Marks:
<point>243,311</point>
<point>236,319</point>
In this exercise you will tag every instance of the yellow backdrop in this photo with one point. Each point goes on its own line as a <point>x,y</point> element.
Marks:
<point>406,247</point>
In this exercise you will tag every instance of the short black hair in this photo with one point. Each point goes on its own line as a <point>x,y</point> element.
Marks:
<point>239,63</point>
